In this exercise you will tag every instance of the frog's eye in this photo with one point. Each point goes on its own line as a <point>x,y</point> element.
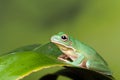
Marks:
<point>64,37</point>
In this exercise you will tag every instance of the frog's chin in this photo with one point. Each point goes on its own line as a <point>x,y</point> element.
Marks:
<point>63,47</point>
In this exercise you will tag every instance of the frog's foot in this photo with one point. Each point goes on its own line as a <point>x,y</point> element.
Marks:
<point>65,58</point>
<point>83,64</point>
<point>73,60</point>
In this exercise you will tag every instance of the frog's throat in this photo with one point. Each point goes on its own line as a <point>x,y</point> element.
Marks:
<point>64,47</point>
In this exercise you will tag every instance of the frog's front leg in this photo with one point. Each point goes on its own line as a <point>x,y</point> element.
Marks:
<point>77,61</point>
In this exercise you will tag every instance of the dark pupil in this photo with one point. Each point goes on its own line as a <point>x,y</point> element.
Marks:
<point>64,37</point>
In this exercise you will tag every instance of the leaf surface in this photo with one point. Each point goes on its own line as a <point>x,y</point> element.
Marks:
<point>23,61</point>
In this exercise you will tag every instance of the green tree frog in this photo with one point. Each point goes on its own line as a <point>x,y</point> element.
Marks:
<point>79,54</point>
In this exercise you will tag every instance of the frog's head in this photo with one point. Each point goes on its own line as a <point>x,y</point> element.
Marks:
<point>63,41</point>
<point>66,45</point>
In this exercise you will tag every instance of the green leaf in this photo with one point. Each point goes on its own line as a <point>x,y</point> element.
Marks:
<point>22,61</point>
<point>28,59</point>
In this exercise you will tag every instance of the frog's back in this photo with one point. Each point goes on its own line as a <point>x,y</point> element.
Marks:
<point>89,52</point>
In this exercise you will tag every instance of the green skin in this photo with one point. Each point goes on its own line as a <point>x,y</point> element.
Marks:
<point>81,55</point>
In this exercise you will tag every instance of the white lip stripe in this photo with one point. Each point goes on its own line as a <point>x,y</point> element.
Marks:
<point>63,45</point>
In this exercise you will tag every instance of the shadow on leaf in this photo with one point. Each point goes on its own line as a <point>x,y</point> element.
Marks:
<point>75,73</point>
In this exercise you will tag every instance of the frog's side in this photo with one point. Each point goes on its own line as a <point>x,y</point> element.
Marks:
<point>81,54</point>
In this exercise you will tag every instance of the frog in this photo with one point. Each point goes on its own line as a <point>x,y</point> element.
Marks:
<point>79,54</point>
